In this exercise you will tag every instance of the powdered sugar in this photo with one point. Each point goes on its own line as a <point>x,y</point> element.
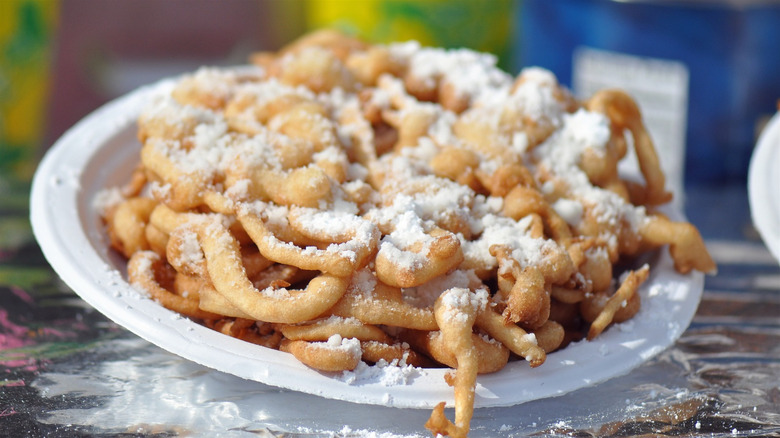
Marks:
<point>579,131</point>
<point>395,203</point>
<point>472,75</point>
<point>333,225</point>
<point>337,343</point>
<point>425,295</point>
<point>107,199</point>
<point>409,201</point>
<point>461,304</point>
<point>363,283</point>
<point>561,154</point>
<point>570,210</point>
<point>534,97</point>
<point>395,373</point>
<point>190,252</point>
<point>514,235</point>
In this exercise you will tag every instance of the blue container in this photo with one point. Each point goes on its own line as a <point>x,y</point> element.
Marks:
<point>730,50</point>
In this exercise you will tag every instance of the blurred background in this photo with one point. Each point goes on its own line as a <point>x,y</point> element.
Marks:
<point>705,72</point>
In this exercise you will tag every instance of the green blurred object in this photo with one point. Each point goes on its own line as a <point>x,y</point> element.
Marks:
<point>15,231</point>
<point>485,26</point>
<point>24,278</point>
<point>26,30</point>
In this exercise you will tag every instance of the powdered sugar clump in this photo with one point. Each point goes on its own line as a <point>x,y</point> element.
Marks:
<point>382,373</point>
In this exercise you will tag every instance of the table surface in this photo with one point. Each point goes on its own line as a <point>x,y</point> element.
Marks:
<point>66,370</point>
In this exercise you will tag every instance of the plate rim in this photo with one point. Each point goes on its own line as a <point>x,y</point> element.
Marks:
<point>86,270</point>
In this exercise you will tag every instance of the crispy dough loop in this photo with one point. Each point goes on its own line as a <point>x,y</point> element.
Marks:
<point>458,164</point>
<point>527,300</point>
<point>550,336</point>
<point>181,190</point>
<point>223,258</point>
<point>623,295</point>
<point>143,269</point>
<point>443,254</point>
<point>522,201</point>
<point>279,275</point>
<point>303,186</point>
<point>323,356</point>
<point>686,245</point>
<point>338,259</point>
<point>323,329</point>
<point>395,353</point>
<point>511,335</point>
<point>127,225</point>
<point>492,355</point>
<point>505,179</point>
<point>373,302</point>
<point>183,252</point>
<point>456,312</point>
<point>213,301</point>
<point>247,330</point>
<point>624,114</point>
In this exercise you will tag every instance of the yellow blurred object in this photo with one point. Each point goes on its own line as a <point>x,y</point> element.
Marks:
<point>486,25</point>
<point>26,29</point>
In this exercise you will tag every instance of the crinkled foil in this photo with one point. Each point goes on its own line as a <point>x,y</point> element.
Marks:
<point>65,370</point>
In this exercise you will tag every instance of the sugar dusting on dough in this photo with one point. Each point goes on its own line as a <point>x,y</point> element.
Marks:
<point>399,210</point>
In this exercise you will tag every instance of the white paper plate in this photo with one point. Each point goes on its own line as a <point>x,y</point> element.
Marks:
<point>101,151</point>
<point>764,185</point>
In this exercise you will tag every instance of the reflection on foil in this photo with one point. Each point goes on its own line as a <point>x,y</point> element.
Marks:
<point>145,382</point>
<point>66,371</point>
<point>136,388</point>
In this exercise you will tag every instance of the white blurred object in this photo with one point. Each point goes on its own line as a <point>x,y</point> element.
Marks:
<point>764,185</point>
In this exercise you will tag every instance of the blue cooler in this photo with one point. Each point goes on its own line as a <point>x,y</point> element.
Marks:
<point>707,72</point>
